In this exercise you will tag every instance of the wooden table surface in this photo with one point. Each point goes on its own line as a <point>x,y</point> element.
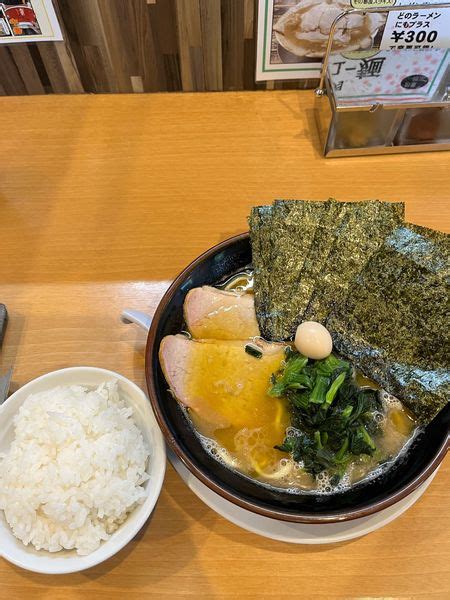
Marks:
<point>103,200</point>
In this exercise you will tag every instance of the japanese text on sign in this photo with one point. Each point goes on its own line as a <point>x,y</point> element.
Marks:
<point>399,75</point>
<point>364,68</point>
<point>416,29</point>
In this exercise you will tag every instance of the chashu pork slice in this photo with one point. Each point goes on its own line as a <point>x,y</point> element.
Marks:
<point>218,380</point>
<point>220,314</point>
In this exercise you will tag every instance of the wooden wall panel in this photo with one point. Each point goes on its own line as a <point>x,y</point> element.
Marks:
<point>211,24</point>
<point>162,19</point>
<point>233,15</point>
<point>26,67</point>
<point>10,77</point>
<point>125,46</point>
<point>190,45</point>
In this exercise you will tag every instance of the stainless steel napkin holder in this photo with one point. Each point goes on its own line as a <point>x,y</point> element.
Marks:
<point>380,128</point>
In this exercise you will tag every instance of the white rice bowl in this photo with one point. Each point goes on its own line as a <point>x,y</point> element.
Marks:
<point>81,469</point>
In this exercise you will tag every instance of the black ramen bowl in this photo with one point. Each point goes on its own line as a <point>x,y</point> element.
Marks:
<point>421,460</point>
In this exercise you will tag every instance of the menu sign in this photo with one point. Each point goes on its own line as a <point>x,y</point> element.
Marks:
<point>282,50</point>
<point>414,29</point>
<point>293,35</point>
<point>28,21</point>
<point>387,77</point>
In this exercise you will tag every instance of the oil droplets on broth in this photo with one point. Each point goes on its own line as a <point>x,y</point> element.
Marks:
<point>288,475</point>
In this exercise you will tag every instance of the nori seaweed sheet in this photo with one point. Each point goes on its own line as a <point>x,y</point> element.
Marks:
<point>295,230</point>
<point>294,244</point>
<point>324,237</point>
<point>281,236</point>
<point>364,228</point>
<point>300,257</point>
<point>395,321</point>
<point>260,221</point>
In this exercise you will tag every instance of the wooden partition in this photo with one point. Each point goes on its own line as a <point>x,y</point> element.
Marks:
<point>114,46</point>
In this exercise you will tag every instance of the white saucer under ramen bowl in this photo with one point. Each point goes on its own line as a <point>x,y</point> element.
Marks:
<point>295,533</point>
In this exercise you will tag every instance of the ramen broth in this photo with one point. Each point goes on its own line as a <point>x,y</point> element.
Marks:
<point>247,445</point>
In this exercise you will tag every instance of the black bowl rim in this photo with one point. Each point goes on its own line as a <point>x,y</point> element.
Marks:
<point>332,516</point>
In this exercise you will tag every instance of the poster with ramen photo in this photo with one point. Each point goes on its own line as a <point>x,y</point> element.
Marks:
<point>292,35</point>
<point>28,21</point>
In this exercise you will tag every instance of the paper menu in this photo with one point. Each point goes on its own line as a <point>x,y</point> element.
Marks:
<point>388,76</point>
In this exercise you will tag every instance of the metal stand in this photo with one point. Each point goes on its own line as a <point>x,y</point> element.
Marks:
<point>329,114</point>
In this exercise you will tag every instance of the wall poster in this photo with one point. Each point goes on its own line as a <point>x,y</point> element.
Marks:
<point>28,21</point>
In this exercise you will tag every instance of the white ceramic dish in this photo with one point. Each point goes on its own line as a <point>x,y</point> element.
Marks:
<point>42,561</point>
<point>295,533</point>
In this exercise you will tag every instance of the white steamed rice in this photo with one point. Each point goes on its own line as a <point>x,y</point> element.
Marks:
<point>74,470</point>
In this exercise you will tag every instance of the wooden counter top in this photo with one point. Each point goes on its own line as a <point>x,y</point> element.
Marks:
<point>103,200</point>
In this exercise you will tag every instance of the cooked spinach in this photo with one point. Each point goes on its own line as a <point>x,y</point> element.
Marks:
<point>333,419</point>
